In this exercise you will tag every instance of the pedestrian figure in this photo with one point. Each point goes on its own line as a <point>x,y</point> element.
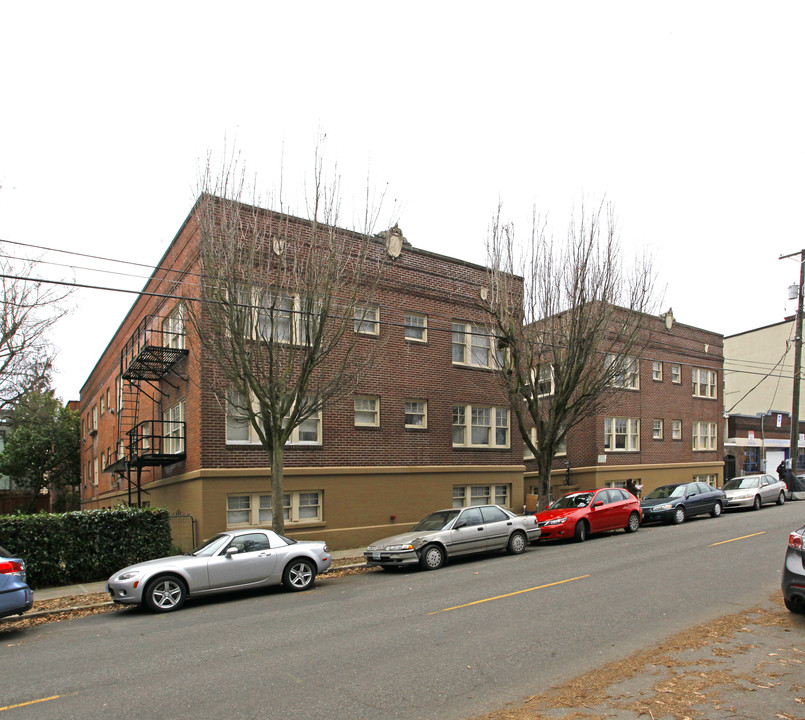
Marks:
<point>638,489</point>
<point>631,487</point>
<point>781,470</point>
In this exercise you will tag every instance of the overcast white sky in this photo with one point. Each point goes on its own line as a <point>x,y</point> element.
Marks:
<point>688,116</point>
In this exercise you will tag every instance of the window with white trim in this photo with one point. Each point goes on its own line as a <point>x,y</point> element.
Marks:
<point>545,380</point>
<point>676,374</point>
<point>621,434</point>
<point>173,429</point>
<point>416,414</point>
<point>561,448</point>
<point>255,508</point>
<point>367,411</point>
<point>626,372</point>
<point>474,346</point>
<point>416,327</point>
<point>705,435</point>
<point>704,383</point>
<point>366,319</point>
<point>469,495</point>
<point>656,371</point>
<point>480,426</point>
<point>708,479</point>
<point>276,317</point>
<point>656,430</point>
<point>676,429</point>
<point>95,474</point>
<point>173,329</point>
<point>239,429</point>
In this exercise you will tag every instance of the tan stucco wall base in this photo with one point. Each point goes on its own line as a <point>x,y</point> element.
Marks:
<point>359,504</point>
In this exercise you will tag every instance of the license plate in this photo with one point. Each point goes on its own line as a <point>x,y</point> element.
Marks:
<point>375,556</point>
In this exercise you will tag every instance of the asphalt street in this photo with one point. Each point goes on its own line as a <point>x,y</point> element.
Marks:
<point>453,643</point>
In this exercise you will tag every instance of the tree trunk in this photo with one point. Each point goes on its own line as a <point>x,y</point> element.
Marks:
<point>277,489</point>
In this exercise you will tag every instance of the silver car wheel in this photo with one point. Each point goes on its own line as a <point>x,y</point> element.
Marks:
<point>679,516</point>
<point>517,543</point>
<point>165,594</point>
<point>299,575</point>
<point>432,558</point>
<point>634,523</point>
<point>781,499</point>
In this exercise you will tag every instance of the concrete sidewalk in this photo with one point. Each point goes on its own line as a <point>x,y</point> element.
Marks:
<point>92,588</point>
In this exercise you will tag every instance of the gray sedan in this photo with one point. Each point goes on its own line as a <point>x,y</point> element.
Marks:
<point>754,491</point>
<point>457,531</point>
<point>235,560</point>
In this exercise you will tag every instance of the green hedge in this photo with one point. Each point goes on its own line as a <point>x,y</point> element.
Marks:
<point>77,547</point>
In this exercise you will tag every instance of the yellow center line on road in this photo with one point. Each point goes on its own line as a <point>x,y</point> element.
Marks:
<point>33,702</point>
<point>500,597</point>
<point>743,537</point>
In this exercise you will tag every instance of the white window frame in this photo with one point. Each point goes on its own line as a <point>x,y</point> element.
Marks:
<point>172,427</point>
<point>705,383</point>
<point>631,436</point>
<point>676,374</point>
<point>95,474</point>
<point>482,494</point>
<point>469,421</point>
<point>366,319</point>
<point>676,429</point>
<point>257,507</point>
<point>627,376</point>
<point>367,404</point>
<point>416,409</point>
<point>561,449</point>
<point>470,343</point>
<point>173,329</point>
<point>707,479</point>
<point>657,429</point>
<point>656,370</point>
<point>233,421</point>
<point>416,323</point>
<point>704,435</point>
<point>545,380</point>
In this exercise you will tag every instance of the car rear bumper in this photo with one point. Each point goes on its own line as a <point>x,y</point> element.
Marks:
<point>793,583</point>
<point>16,602</point>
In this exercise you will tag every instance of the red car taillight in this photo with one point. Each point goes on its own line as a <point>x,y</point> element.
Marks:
<point>11,567</point>
<point>795,541</point>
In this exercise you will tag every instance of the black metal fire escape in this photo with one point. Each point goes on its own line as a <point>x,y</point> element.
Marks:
<point>150,355</point>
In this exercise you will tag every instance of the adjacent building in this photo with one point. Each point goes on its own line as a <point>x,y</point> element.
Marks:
<point>663,422</point>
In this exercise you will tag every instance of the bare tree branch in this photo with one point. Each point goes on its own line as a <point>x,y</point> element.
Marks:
<point>576,332</point>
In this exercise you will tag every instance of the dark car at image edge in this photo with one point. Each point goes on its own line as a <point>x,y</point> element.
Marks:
<point>793,584</point>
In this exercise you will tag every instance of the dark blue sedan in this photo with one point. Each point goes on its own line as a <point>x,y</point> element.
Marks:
<point>15,595</point>
<point>675,503</point>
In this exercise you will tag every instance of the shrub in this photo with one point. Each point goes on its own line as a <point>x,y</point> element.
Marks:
<point>76,547</point>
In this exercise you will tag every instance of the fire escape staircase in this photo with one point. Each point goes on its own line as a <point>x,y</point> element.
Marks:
<point>149,356</point>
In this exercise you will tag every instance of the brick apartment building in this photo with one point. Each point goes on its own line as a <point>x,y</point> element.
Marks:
<point>428,428</point>
<point>663,424</point>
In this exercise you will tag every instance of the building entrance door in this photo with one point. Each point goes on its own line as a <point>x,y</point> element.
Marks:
<point>773,459</point>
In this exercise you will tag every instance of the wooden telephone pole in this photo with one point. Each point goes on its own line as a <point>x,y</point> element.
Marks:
<point>794,453</point>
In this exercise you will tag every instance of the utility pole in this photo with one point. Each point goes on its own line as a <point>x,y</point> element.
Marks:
<point>794,452</point>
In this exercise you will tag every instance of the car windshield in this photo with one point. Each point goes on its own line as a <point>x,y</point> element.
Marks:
<point>576,500</point>
<point>211,546</point>
<point>666,491</point>
<point>742,482</point>
<point>437,521</point>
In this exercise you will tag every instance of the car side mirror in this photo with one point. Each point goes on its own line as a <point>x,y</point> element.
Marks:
<point>230,551</point>
<point>460,524</point>
<point>598,503</point>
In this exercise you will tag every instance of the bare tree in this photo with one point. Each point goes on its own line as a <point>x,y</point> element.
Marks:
<point>284,302</point>
<point>575,334</point>
<point>30,309</point>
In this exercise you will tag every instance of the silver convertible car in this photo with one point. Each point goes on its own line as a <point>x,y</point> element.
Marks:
<point>235,560</point>
<point>457,531</point>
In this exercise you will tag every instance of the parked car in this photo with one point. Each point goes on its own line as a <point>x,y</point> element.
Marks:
<point>794,572</point>
<point>754,490</point>
<point>676,502</point>
<point>235,560</point>
<point>15,595</point>
<point>448,533</point>
<point>579,514</point>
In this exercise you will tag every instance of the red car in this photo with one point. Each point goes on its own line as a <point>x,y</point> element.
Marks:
<point>578,514</point>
